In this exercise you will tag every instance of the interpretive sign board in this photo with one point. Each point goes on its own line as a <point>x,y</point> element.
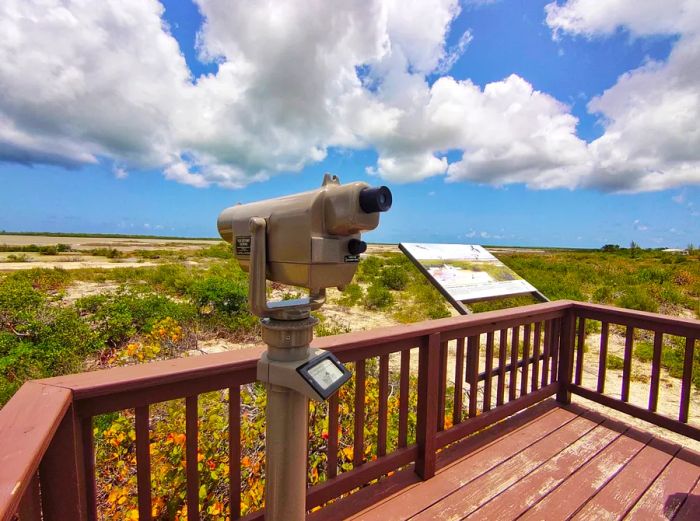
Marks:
<point>466,273</point>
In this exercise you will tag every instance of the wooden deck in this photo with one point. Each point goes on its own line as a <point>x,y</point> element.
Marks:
<point>548,462</point>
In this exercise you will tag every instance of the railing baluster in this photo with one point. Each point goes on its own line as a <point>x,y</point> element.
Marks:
<point>526,364</point>
<point>234,451</point>
<point>473,372</point>
<point>580,343</point>
<point>555,348</point>
<point>428,374</point>
<point>536,357</point>
<point>383,404</point>
<point>358,452</point>
<point>459,383</point>
<point>655,371</point>
<point>488,369</point>
<point>512,384</point>
<point>501,385</point>
<point>191,442</point>
<point>687,379</point>
<point>602,356</point>
<point>442,386</point>
<point>143,463</point>
<point>403,397</point>
<point>87,437</point>
<point>30,505</point>
<point>627,364</point>
<point>546,353</point>
<point>332,449</point>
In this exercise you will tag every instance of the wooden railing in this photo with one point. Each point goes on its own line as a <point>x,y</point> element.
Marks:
<point>633,328</point>
<point>47,461</point>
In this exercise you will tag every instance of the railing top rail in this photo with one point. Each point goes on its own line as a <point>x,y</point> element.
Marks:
<point>120,379</point>
<point>641,319</point>
<point>27,424</point>
<point>136,377</point>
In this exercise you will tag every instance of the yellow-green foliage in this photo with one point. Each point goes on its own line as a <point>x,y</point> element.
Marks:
<point>115,440</point>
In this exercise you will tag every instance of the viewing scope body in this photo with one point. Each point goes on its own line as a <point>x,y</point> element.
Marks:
<point>312,238</point>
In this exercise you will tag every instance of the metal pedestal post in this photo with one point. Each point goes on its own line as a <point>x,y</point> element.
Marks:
<point>287,423</point>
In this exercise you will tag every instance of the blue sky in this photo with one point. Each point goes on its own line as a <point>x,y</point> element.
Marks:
<point>123,189</point>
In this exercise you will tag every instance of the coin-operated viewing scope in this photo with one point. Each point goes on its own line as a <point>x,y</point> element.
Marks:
<point>310,240</point>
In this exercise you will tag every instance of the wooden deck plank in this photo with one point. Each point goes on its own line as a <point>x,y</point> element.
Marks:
<point>475,493</point>
<point>669,490</point>
<point>625,489</point>
<point>478,462</point>
<point>566,500</point>
<point>521,496</point>
<point>690,509</point>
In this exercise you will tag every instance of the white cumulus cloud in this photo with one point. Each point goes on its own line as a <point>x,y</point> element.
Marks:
<point>86,81</point>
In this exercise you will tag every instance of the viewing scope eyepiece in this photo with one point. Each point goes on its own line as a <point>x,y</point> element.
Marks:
<point>375,199</point>
<point>312,239</point>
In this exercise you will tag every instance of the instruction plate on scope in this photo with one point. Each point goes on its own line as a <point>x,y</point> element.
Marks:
<point>466,272</point>
<point>325,374</point>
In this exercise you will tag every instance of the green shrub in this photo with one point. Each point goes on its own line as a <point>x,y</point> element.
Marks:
<point>220,294</point>
<point>378,297</point>
<point>352,294</point>
<point>394,277</point>
<point>636,297</point>
<point>369,268</point>
<point>614,362</point>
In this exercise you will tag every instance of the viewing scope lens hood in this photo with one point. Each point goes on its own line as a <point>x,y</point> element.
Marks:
<point>376,199</point>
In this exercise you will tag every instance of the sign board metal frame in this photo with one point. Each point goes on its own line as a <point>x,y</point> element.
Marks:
<point>461,304</point>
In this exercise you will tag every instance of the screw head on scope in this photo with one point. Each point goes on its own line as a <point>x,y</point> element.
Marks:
<point>356,246</point>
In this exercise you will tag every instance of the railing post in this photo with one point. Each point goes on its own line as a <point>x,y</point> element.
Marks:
<point>426,416</point>
<point>565,368</point>
<point>61,473</point>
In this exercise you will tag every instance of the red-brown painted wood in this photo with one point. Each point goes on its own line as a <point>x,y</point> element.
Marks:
<point>580,345</point>
<point>488,382</point>
<point>513,380</point>
<point>459,383</point>
<point>332,450</point>
<point>525,360</point>
<point>555,349</point>
<point>472,373</point>
<point>442,386</point>
<point>621,493</point>
<point>358,441</point>
<point>30,505</point>
<point>535,384</point>
<point>143,463</point>
<point>61,473</point>
<point>476,493</point>
<point>383,404</point>
<point>603,356</point>
<point>502,350</point>
<point>627,364</point>
<point>546,352</point>
<point>428,374</point>
<point>655,372</point>
<point>583,484</point>
<point>687,381</point>
<point>690,509</point>
<point>191,444</point>
<point>404,391</point>
<point>471,467</point>
<point>88,470</point>
<point>669,491</point>
<point>25,440</point>
<point>520,497</point>
<point>234,451</point>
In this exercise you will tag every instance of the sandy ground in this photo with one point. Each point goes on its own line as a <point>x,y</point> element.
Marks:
<point>86,243</point>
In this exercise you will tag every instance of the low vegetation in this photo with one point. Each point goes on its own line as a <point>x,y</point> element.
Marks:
<point>190,295</point>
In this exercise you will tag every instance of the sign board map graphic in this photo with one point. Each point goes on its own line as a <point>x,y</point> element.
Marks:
<point>466,272</point>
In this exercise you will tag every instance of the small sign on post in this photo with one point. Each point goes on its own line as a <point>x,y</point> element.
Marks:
<point>467,273</point>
